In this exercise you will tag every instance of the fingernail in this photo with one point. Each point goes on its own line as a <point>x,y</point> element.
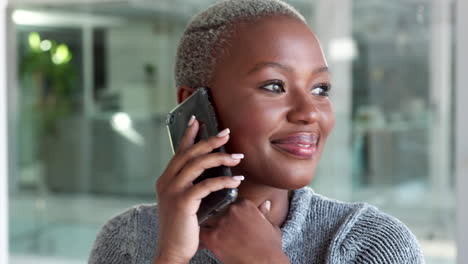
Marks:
<point>237,156</point>
<point>191,121</point>
<point>223,133</point>
<point>268,205</point>
<point>238,178</point>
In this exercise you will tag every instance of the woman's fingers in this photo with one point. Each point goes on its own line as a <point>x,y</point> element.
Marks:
<point>203,147</point>
<point>187,141</point>
<point>196,166</point>
<point>205,187</point>
<point>265,209</point>
<point>189,135</point>
<point>192,159</point>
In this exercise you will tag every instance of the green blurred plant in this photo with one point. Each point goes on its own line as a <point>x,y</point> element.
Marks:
<point>48,64</point>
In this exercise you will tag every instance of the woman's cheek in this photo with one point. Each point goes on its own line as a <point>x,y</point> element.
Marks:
<point>249,127</point>
<point>327,119</point>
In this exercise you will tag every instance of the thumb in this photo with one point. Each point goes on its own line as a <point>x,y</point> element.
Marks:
<point>265,208</point>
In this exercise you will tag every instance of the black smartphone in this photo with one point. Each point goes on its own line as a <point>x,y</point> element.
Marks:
<point>199,104</point>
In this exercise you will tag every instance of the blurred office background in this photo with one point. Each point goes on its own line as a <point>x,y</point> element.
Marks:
<point>93,81</point>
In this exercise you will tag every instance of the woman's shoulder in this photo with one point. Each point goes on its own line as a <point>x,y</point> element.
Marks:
<point>369,235</point>
<point>360,232</point>
<point>132,219</point>
<point>319,206</point>
<point>121,238</point>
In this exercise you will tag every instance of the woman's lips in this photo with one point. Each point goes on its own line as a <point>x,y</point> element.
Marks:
<point>300,145</point>
<point>298,150</point>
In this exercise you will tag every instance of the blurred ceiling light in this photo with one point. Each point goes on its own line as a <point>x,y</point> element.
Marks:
<point>122,124</point>
<point>24,17</point>
<point>46,45</point>
<point>343,49</point>
<point>37,18</point>
<point>121,121</point>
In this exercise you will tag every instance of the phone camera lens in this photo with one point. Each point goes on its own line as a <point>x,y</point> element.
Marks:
<point>169,119</point>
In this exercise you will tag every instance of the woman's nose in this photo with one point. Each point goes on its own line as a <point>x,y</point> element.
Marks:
<point>303,110</point>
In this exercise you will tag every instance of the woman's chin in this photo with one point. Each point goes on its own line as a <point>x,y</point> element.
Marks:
<point>286,177</point>
<point>292,183</point>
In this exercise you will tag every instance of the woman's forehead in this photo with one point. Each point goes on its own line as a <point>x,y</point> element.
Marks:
<point>275,41</point>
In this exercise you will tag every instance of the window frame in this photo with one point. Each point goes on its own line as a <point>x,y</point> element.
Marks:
<point>461,130</point>
<point>3,135</point>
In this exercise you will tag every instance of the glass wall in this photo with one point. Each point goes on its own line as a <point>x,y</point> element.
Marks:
<point>94,83</point>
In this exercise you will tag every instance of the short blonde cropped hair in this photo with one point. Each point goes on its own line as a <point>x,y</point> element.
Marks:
<point>207,36</point>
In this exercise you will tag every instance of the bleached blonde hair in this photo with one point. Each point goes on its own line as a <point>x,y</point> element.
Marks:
<point>208,34</point>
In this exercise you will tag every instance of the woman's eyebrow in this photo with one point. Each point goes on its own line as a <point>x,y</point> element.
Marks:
<point>271,64</point>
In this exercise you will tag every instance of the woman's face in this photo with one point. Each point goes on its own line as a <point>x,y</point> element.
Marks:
<point>270,89</point>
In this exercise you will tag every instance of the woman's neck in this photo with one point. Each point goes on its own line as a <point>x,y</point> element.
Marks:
<point>258,194</point>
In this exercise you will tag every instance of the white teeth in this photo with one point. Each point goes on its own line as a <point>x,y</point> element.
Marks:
<point>305,146</point>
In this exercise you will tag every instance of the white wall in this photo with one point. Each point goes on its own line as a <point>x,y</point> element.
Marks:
<point>3,139</point>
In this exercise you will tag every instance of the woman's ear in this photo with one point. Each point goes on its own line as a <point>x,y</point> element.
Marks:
<point>183,92</point>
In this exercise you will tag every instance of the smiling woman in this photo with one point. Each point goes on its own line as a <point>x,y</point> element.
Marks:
<point>285,100</point>
<point>270,83</point>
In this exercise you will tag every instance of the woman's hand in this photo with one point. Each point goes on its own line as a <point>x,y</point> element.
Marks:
<point>244,234</point>
<point>179,199</point>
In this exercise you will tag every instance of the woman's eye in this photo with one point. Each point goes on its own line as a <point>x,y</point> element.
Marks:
<point>321,89</point>
<point>276,86</point>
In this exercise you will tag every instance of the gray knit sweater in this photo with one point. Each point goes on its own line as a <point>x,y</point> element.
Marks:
<point>317,230</point>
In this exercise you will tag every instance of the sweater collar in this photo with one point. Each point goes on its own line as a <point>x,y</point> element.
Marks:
<point>298,211</point>
<point>292,227</point>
